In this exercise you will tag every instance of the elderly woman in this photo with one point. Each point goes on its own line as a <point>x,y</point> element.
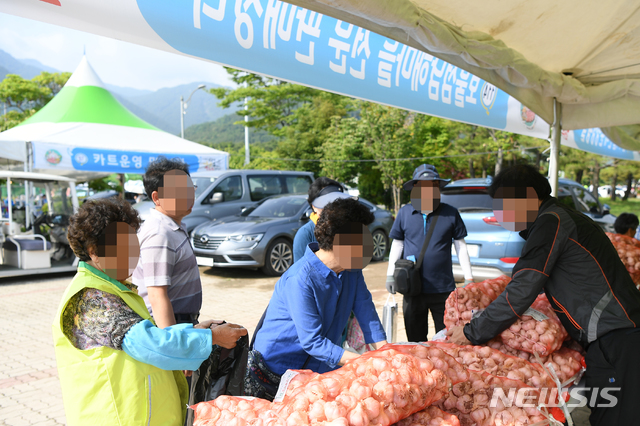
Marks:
<point>313,300</point>
<point>115,366</point>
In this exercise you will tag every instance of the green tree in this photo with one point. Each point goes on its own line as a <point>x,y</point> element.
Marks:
<point>298,116</point>
<point>310,130</point>
<point>23,97</point>
<point>389,138</point>
<point>271,103</point>
<point>344,141</point>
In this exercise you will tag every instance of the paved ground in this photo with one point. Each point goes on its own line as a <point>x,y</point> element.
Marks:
<point>29,389</point>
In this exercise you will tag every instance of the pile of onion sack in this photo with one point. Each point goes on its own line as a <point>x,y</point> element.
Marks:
<point>535,350</point>
<point>426,384</point>
<point>628,249</point>
<point>381,387</point>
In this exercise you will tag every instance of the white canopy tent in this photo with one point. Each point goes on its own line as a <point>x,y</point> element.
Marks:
<point>576,65</point>
<point>85,133</point>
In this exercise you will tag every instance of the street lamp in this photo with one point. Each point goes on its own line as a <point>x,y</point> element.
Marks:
<point>183,108</point>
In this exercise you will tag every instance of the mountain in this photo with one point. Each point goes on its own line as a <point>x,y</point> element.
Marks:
<point>11,65</point>
<point>3,72</point>
<point>126,92</point>
<point>223,131</point>
<point>160,108</point>
<point>38,65</point>
<point>165,104</point>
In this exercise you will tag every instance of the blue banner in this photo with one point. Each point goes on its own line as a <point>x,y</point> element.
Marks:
<point>108,161</point>
<point>292,43</point>
<point>593,140</point>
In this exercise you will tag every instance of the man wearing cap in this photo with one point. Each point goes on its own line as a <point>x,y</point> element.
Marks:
<point>409,232</point>
<point>321,192</point>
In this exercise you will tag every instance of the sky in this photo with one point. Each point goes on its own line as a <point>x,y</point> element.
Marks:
<point>116,62</point>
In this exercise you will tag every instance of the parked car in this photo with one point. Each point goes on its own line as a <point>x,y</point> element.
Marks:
<point>228,192</point>
<point>128,196</point>
<point>262,236</point>
<point>493,249</point>
<point>605,190</point>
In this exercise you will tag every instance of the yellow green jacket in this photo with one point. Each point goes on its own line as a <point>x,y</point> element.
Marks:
<point>104,386</point>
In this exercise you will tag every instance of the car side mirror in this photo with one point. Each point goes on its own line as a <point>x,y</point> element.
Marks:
<point>217,197</point>
<point>307,215</point>
<point>606,209</point>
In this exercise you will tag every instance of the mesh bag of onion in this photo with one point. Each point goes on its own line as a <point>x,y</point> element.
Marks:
<point>496,363</point>
<point>430,416</point>
<point>629,251</point>
<point>566,362</point>
<point>464,301</point>
<point>474,402</point>
<point>538,330</point>
<point>381,387</point>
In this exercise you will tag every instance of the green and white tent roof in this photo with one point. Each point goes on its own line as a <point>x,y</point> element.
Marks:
<point>84,132</point>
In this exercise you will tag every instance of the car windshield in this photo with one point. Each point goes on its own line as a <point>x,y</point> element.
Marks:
<point>202,183</point>
<point>279,207</point>
<point>468,199</point>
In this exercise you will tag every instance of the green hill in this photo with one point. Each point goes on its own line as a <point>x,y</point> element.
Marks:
<point>222,131</point>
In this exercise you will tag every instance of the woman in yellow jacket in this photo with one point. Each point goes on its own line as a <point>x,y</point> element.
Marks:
<point>115,366</point>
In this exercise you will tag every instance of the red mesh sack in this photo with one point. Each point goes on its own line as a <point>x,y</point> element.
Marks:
<point>566,362</point>
<point>532,333</point>
<point>496,363</point>
<point>470,401</point>
<point>463,301</point>
<point>430,416</point>
<point>629,251</point>
<point>380,387</point>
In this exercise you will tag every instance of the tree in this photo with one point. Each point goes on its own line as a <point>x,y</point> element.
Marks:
<point>23,98</point>
<point>310,130</point>
<point>389,138</point>
<point>345,139</point>
<point>271,103</point>
<point>434,137</point>
<point>575,162</point>
<point>621,169</point>
<point>298,116</point>
<point>463,138</point>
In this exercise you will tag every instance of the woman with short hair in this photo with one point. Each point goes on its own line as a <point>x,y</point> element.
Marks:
<point>313,300</point>
<point>321,192</point>
<point>115,366</point>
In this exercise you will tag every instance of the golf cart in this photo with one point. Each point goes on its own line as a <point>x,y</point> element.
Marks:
<point>34,216</point>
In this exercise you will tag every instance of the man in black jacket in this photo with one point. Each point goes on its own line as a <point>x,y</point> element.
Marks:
<point>569,257</point>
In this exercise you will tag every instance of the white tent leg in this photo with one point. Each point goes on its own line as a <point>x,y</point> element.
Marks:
<point>555,147</point>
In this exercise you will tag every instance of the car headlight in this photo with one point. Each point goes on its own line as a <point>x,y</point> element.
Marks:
<point>245,238</point>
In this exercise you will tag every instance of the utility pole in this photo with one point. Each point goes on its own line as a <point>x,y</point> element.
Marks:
<point>181,117</point>
<point>183,108</point>
<point>247,156</point>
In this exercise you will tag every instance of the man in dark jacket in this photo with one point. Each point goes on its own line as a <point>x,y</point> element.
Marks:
<point>569,257</point>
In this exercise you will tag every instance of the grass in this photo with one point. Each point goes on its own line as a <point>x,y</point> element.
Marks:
<point>632,205</point>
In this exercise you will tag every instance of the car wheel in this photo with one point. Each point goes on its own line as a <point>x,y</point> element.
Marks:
<point>380,243</point>
<point>278,258</point>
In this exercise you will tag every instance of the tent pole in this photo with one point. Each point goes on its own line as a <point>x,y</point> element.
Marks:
<point>10,205</point>
<point>555,147</point>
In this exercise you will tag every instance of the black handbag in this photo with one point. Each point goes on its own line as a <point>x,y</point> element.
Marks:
<point>407,274</point>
